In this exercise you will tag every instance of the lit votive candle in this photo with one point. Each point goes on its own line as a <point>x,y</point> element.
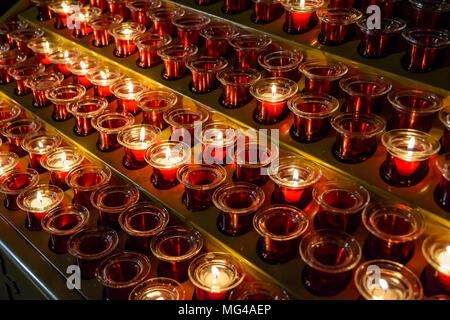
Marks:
<point>22,37</point>
<point>174,57</point>
<point>13,182</point>
<point>408,154</point>
<point>124,35</point>
<point>38,144</point>
<point>189,26</point>
<point>59,162</point>
<point>218,139</point>
<point>16,131</point>
<point>158,289</point>
<point>8,161</point>
<point>154,104</point>
<point>247,48</point>
<point>136,140</point>
<point>108,126</point>
<point>283,64</point>
<point>265,11</point>
<point>41,48</point>
<point>139,8</point>
<point>300,15</point>
<point>322,76</point>
<point>62,9</point>
<point>60,57</point>
<point>436,276</point>
<point>148,44</point>
<point>101,26</point>
<point>162,19</point>
<point>236,83</point>
<point>82,66</point>
<point>20,72</point>
<point>36,201</point>
<point>62,96</point>
<point>84,110</point>
<point>183,120</point>
<point>40,84</point>
<point>336,25</point>
<point>103,79</point>
<point>204,70</point>
<point>79,21</point>
<point>216,38</point>
<point>442,191</point>
<point>126,91</point>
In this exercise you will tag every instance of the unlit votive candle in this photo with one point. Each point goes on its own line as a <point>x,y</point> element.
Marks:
<point>37,145</point>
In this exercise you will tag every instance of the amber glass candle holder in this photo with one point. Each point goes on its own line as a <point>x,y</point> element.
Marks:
<point>216,38</point>
<point>119,7</point>
<point>204,70</point>
<point>183,119</point>
<point>61,57</point>
<point>442,191</point>
<point>153,105</point>
<point>125,91</point>
<point>312,114</point>
<point>414,109</point>
<point>37,145</point>
<point>393,228</point>
<point>8,58</point>
<point>235,6</point>
<point>218,139</point>
<point>100,26</point>
<point>159,288</point>
<point>103,79</point>
<point>90,246</point>
<point>356,136</point>
<point>16,131</point>
<point>20,72</point>
<point>13,182</point>
<point>214,275</point>
<point>271,96</point>
<point>444,117</point>
<point>44,11</point>
<point>236,83</point>
<point>322,76</point>
<point>283,64</point>
<point>62,96</point>
<point>294,179</point>
<point>124,35</point>
<point>108,126</point>
<point>141,222</point>
<point>162,19</point>
<point>121,272</point>
<point>394,282</point>
<point>62,9</point>
<point>8,161</point>
<point>8,113</point>
<point>81,67</point>
<point>330,256</point>
<point>22,37</point>
<point>136,140</point>
<point>436,275</point>
<point>247,48</point>
<point>238,203</point>
<point>85,179</point>
<point>336,25</point>
<point>59,162</point>
<point>148,44</point>
<point>258,290</point>
<point>40,84</point>
<point>408,154</point>
<point>265,11</point>
<point>165,157</point>
<point>62,222</point>
<point>79,21</point>
<point>41,47</point>
<point>425,49</point>
<point>84,110</point>
<point>429,14</point>
<point>175,248</point>
<point>340,204</point>
<point>189,26</point>
<point>174,58</point>
<point>37,201</point>
<point>300,15</point>
<point>139,8</point>
<point>280,228</point>
<point>377,43</point>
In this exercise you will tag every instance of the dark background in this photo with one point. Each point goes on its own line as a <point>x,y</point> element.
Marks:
<point>5,5</point>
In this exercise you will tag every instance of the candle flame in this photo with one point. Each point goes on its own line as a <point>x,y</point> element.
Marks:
<point>167,153</point>
<point>65,7</point>
<point>103,75</point>
<point>215,272</point>
<point>83,65</point>
<point>274,90</point>
<point>39,197</point>
<point>302,3</point>
<point>127,31</point>
<point>142,135</point>
<point>384,285</point>
<point>411,144</point>
<point>295,176</point>
<point>46,46</point>
<point>63,157</point>
<point>448,250</point>
<point>219,137</point>
<point>66,54</point>
<point>41,145</point>
<point>130,87</point>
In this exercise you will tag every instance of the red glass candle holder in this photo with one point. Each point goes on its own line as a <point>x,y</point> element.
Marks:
<point>101,4</point>
<point>16,131</point>
<point>235,6</point>
<point>103,79</point>
<point>444,116</point>
<point>141,222</point>
<point>341,4</point>
<point>204,70</point>
<point>61,223</point>
<point>215,275</point>
<point>41,47</point>
<point>90,246</point>
<point>40,84</point>
<point>62,9</point>
<point>300,15</point>
<point>44,11</point>
<point>364,93</point>
<point>136,140</point>
<point>236,83</point>
<point>183,120</point>
<point>139,8</point>
<point>408,153</point>
<point>393,228</point>
<point>389,8</point>
<point>340,204</point>
<point>10,26</point>
<point>13,182</point>
<point>376,43</point>
<point>271,96</point>
<point>159,288</point>
<point>59,162</point>
<point>154,104</point>
<point>61,57</point>
<point>238,203</point>
<point>283,64</point>
<point>258,290</point>
<point>148,43</point>
<point>22,37</point>
<point>37,201</point>
<point>85,179</point>
<point>189,26</point>
<point>280,228</point>
<point>8,113</point>
<point>124,35</point>
<point>218,139</point>
<point>126,90</point>
<point>79,21</point>
<point>108,126</point>
<point>20,72</point>
<point>436,276</point>
<point>121,272</point>
<point>247,48</point>
<point>442,191</point>
<point>162,19</point>
<point>81,67</point>
<point>110,201</point>
<point>62,96</point>
<point>216,38</point>
<point>84,110</point>
<point>312,114</point>
<point>429,14</point>
<point>174,58</point>
<point>356,136</point>
<point>101,26</point>
<point>165,157</point>
<point>425,49</point>
<point>265,11</point>
<point>336,25</point>
<point>119,7</point>
<point>175,248</point>
<point>8,161</point>
<point>8,58</point>
<point>253,161</point>
<point>393,281</point>
<point>414,109</point>
<point>294,179</point>
<point>329,255</point>
<point>38,144</point>
<point>322,76</point>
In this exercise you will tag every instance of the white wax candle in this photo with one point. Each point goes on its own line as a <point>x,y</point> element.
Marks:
<point>41,201</point>
<point>443,259</point>
<point>216,278</point>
